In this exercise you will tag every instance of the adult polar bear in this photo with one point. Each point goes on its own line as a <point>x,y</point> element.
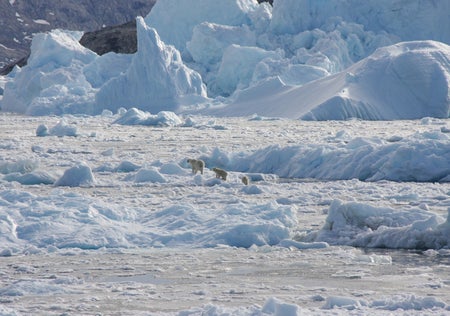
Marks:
<point>197,165</point>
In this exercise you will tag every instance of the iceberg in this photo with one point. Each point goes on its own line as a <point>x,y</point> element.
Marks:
<point>311,60</point>
<point>175,19</point>
<point>53,81</point>
<point>156,79</point>
<point>408,80</point>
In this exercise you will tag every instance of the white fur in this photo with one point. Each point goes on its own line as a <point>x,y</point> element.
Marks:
<point>220,173</point>
<point>245,180</point>
<point>197,165</point>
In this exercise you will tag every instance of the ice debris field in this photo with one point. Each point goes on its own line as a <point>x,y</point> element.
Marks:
<point>42,159</point>
<point>95,209</point>
<point>339,118</point>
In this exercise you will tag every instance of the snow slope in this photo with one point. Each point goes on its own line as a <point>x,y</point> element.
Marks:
<point>303,59</point>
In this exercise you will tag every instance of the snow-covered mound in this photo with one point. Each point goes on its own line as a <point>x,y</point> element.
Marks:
<point>79,175</point>
<point>334,305</point>
<point>149,175</point>
<point>71,220</point>
<point>316,60</point>
<point>63,128</point>
<point>31,178</point>
<point>137,117</point>
<point>409,80</point>
<point>362,225</point>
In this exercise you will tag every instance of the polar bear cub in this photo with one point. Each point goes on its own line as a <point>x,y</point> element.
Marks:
<point>220,173</point>
<point>245,180</point>
<point>197,165</point>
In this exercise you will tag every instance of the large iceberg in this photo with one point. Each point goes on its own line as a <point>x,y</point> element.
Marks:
<point>53,81</point>
<point>409,80</point>
<point>64,77</point>
<point>407,20</point>
<point>306,59</point>
<point>155,80</point>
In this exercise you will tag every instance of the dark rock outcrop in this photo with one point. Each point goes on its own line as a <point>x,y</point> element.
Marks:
<point>118,39</point>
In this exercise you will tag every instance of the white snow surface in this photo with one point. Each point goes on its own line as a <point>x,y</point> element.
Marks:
<point>314,60</point>
<point>110,219</point>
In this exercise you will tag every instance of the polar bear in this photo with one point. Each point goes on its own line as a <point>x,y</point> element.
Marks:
<point>197,165</point>
<point>220,173</point>
<point>245,180</point>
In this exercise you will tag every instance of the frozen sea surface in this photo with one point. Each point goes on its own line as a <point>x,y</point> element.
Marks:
<point>133,232</point>
<point>220,281</point>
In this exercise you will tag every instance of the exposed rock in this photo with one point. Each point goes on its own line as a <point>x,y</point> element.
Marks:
<point>20,19</point>
<point>118,39</point>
